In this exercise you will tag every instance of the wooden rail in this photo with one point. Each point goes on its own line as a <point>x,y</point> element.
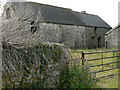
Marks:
<point>104,64</point>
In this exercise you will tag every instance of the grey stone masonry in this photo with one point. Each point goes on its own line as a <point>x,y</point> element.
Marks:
<point>112,38</point>
<point>23,23</point>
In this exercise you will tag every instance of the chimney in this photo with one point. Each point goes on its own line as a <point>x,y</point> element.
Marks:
<point>83,12</point>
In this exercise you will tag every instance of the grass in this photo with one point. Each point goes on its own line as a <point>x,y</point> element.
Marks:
<point>111,82</point>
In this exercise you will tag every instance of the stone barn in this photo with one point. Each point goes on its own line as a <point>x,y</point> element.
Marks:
<point>112,37</point>
<point>30,23</point>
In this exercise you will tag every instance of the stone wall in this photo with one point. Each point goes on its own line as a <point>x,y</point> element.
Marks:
<point>72,35</point>
<point>20,32</point>
<point>0,57</point>
<point>22,11</point>
<point>30,66</point>
<point>111,38</point>
<point>94,37</point>
<point>15,31</point>
<point>101,34</point>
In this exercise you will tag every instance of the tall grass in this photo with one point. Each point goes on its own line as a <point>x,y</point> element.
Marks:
<point>78,77</point>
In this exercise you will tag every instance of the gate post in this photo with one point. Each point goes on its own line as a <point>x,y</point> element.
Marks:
<point>102,61</point>
<point>83,57</point>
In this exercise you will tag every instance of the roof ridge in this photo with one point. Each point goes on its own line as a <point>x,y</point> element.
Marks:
<point>85,13</point>
<point>112,30</point>
<point>88,14</point>
<point>48,5</point>
<point>68,16</point>
<point>59,7</point>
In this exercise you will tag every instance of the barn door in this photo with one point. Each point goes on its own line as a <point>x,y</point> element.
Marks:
<point>99,41</point>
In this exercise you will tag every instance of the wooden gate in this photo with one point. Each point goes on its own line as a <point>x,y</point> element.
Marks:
<point>102,64</point>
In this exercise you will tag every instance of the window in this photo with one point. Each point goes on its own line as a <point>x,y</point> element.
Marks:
<point>92,37</point>
<point>33,28</point>
<point>59,25</point>
<point>63,38</point>
<point>106,44</point>
<point>95,30</point>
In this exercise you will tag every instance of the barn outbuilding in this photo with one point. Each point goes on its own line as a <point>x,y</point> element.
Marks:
<point>112,37</point>
<point>29,22</point>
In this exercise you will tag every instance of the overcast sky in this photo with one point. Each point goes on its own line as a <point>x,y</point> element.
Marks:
<point>106,9</point>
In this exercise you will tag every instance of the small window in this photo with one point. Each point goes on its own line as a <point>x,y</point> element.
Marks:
<point>92,37</point>
<point>59,25</point>
<point>32,22</point>
<point>106,44</point>
<point>8,13</point>
<point>63,38</point>
<point>33,29</point>
<point>95,30</point>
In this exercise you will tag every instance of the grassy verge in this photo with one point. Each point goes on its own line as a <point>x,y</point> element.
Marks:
<point>111,82</point>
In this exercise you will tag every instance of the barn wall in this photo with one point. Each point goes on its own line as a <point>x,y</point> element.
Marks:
<point>89,43</point>
<point>50,32</point>
<point>95,37</point>
<point>19,32</point>
<point>16,31</point>
<point>101,33</point>
<point>112,39</point>
<point>70,35</point>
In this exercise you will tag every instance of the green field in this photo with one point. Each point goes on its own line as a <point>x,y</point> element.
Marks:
<point>108,82</point>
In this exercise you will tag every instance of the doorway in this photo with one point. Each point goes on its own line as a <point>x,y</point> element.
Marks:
<point>99,41</point>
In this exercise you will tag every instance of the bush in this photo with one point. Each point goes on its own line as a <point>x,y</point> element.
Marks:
<point>32,66</point>
<point>77,77</point>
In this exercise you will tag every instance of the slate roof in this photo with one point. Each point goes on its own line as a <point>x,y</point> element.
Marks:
<point>115,28</point>
<point>59,15</point>
<point>92,20</point>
